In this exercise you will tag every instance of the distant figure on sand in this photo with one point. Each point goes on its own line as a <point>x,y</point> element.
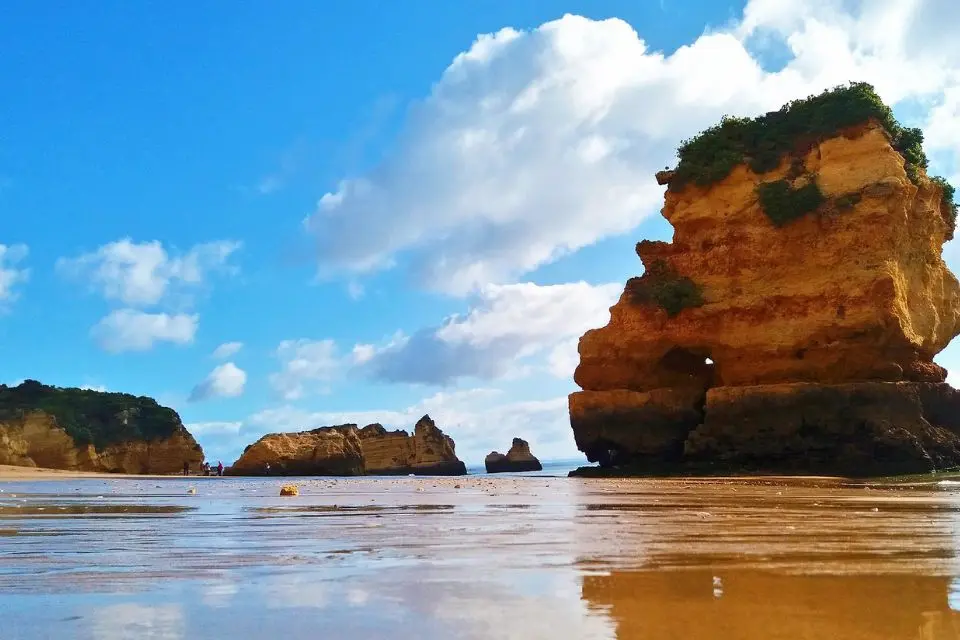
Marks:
<point>186,468</point>
<point>267,468</point>
<point>219,468</point>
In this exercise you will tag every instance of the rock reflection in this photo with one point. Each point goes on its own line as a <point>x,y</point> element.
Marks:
<point>754,604</point>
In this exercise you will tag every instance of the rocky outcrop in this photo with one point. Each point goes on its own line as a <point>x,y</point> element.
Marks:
<point>792,322</point>
<point>518,458</point>
<point>83,430</point>
<point>347,450</point>
<point>427,452</point>
<point>327,451</point>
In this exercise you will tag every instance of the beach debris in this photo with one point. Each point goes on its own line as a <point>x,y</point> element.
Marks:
<point>289,490</point>
<point>192,491</point>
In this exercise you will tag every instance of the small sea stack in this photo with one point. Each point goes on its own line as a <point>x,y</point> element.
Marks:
<point>518,458</point>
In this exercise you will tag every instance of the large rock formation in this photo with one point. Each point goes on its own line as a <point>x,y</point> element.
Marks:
<point>84,430</point>
<point>347,450</point>
<point>518,458</point>
<point>792,322</point>
<point>427,452</point>
<point>327,451</point>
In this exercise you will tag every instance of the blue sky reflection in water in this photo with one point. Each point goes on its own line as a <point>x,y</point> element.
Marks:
<point>520,557</point>
<point>284,215</point>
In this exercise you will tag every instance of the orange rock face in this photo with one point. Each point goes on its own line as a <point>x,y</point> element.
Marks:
<point>854,292</point>
<point>35,440</point>
<point>325,451</point>
<point>347,450</point>
<point>427,452</point>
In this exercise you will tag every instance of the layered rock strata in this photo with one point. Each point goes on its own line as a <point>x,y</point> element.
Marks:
<point>518,458</point>
<point>83,430</point>
<point>327,451</point>
<point>770,339</point>
<point>346,450</point>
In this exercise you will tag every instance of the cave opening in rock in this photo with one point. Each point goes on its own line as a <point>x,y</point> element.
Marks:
<point>696,363</point>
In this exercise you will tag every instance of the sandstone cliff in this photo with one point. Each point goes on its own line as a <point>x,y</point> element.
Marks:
<point>327,451</point>
<point>518,458</point>
<point>87,430</point>
<point>347,450</point>
<point>427,452</point>
<point>792,322</point>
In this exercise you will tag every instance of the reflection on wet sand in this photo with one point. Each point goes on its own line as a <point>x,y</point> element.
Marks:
<point>754,604</point>
<point>481,558</point>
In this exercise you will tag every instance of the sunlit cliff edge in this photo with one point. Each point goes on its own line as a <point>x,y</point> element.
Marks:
<point>791,324</point>
<point>86,430</point>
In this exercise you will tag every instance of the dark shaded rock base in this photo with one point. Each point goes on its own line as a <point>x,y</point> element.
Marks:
<point>856,430</point>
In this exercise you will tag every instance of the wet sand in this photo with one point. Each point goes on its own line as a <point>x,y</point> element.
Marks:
<point>11,472</point>
<point>479,557</point>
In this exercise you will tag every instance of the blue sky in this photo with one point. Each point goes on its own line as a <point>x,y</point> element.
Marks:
<point>340,189</point>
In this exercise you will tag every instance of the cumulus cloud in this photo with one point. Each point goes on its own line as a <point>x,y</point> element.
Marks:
<point>142,274</point>
<point>533,144</point>
<point>304,363</point>
<point>134,330</point>
<point>199,429</point>
<point>508,325</point>
<point>227,349</point>
<point>225,381</point>
<point>11,274</point>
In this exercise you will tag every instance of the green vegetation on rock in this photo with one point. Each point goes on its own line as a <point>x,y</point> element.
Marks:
<point>663,287</point>
<point>949,205</point>
<point>762,142</point>
<point>783,204</point>
<point>92,417</point>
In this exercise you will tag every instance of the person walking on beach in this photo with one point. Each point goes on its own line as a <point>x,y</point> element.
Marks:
<point>186,468</point>
<point>219,468</point>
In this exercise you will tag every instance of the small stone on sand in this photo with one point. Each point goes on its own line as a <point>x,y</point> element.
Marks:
<point>289,490</point>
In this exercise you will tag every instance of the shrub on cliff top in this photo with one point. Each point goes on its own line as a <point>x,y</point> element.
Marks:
<point>663,287</point>
<point>783,204</point>
<point>949,205</point>
<point>91,417</point>
<point>761,142</point>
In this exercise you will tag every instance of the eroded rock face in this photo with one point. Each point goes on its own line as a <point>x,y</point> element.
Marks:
<point>427,452</point>
<point>518,458</point>
<point>327,451</point>
<point>347,450</point>
<point>36,440</point>
<point>853,298</point>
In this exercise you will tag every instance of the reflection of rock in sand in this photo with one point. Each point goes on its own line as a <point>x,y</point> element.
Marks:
<point>741,604</point>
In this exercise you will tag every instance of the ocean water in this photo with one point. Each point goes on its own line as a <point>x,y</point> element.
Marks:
<point>479,557</point>
<point>551,468</point>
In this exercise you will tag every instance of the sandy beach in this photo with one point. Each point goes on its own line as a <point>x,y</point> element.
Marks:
<point>100,557</point>
<point>11,473</point>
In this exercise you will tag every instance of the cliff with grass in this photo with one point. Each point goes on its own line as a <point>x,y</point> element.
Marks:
<point>792,322</point>
<point>85,430</point>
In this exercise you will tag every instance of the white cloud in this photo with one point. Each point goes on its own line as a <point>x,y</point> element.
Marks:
<point>142,274</point>
<point>133,330</point>
<point>227,349</point>
<point>130,620</point>
<point>10,274</point>
<point>200,429</point>
<point>94,387</point>
<point>508,325</point>
<point>355,290</point>
<point>225,381</point>
<point>305,363</point>
<point>534,144</point>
